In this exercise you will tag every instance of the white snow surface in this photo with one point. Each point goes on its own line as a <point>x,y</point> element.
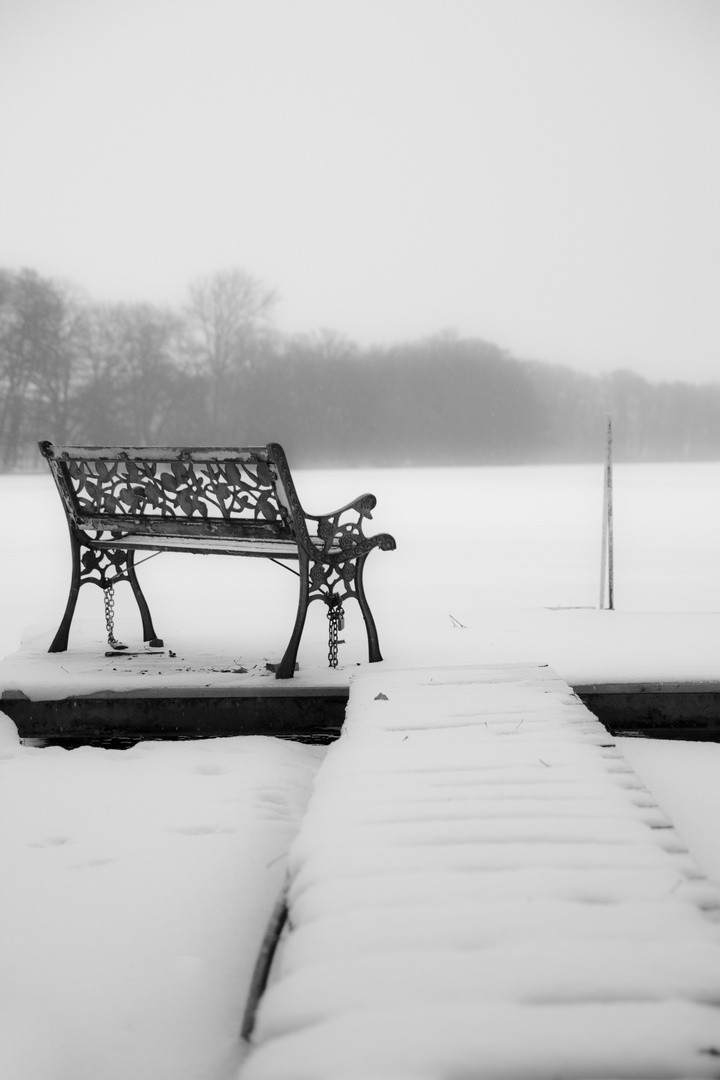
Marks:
<point>134,884</point>
<point>137,884</point>
<point>490,798</point>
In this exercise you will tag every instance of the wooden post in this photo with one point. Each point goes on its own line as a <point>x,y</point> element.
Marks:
<point>261,973</point>
<point>607,570</point>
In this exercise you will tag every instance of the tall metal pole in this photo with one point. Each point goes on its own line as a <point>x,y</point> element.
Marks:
<point>607,567</point>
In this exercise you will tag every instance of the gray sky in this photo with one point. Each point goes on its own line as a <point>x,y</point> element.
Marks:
<point>544,174</point>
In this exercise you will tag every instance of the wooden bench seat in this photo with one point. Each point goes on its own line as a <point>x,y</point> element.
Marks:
<point>262,548</point>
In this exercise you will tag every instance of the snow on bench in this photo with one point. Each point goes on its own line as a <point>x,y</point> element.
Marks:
<point>482,887</point>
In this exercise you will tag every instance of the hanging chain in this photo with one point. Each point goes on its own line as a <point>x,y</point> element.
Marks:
<point>336,623</point>
<point>109,598</point>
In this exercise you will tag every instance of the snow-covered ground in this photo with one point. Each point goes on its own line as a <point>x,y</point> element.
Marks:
<point>136,884</point>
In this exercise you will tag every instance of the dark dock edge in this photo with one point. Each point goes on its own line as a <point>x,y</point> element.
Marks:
<point>688,711</point>
<point>656,710</point>
<point>313,715</point>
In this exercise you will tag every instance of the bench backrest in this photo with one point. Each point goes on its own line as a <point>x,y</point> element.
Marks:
<point>220,491</point>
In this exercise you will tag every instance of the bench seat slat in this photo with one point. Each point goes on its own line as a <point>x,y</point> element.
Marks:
<point>212,454</point>
<point>219,545</point>
<point>247,546</point>
<point>155,526</point>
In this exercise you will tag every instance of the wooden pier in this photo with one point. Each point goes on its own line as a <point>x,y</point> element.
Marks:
<point>88,697</point>
<point>483,887</point>
<point>204,690</point>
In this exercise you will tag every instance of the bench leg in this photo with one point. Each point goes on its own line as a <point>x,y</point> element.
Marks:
<point>286,667</point>
<point>373,644</point>
<point>60,641</point>
<point>149,634</point>
<point>80,577</point>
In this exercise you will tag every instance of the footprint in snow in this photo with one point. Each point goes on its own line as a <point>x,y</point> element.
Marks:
<point>273,798</point>
<point>272,806</point>
<point>92,863</point>
<point>202,830</point>
<point>52,841</point>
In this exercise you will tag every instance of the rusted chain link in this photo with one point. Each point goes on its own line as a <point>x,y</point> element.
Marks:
<point>109,598</point>
<point>336,623</point>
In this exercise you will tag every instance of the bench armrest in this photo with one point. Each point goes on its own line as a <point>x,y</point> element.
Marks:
<point>343,529</point>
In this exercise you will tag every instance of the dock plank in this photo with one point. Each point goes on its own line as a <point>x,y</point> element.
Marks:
<point>482,886</point>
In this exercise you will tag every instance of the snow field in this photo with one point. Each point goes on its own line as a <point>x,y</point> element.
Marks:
<point>135,883</point>
<point>127,945</point>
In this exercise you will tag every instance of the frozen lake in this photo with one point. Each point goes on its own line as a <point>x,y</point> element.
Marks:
<point>473,539</point>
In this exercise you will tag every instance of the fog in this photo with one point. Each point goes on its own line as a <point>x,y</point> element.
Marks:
<point>541,174</point>
<point>215,371</point>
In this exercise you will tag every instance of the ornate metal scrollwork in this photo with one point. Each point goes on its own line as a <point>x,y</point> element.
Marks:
<point>332,578</point>
<point>102,566</point>
<point>177,489</point>
<point>333,571</point>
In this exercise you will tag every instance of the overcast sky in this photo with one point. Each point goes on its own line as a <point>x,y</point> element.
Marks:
<point>544,174</point>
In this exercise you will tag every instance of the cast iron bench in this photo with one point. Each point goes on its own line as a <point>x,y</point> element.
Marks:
<point>207,500</point>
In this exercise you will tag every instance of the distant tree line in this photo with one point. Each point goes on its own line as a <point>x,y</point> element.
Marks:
<point>215,372</point>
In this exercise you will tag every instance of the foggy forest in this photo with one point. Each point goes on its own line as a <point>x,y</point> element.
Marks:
<point>214,371</point>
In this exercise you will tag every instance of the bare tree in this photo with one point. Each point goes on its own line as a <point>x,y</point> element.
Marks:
<point>132,361</point>
<point>15,372</point>
<point>42,328</point>
<point>227,317</point>
<point>60,336</point>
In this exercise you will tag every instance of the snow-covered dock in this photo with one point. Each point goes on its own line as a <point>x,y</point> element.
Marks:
<point>203,689</point>
<point>481,886</point>
<point>88,696</point>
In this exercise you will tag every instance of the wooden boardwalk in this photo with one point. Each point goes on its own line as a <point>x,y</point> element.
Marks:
<point>483,888</point>
<point>88,697</point>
